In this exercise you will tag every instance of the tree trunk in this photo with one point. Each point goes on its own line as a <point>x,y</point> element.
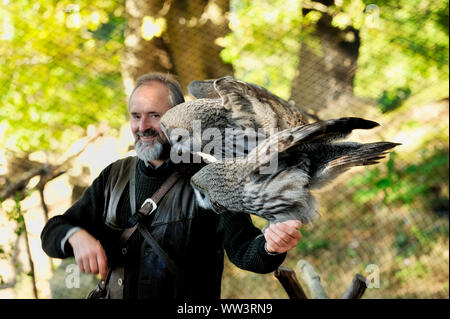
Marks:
<point>141,56</point>
<point>325,72</point>
<point>193,27</point>
<point>186,48</point>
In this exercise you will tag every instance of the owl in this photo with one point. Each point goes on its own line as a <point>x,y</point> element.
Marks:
<point>275,179</point>
<point>229,118</point>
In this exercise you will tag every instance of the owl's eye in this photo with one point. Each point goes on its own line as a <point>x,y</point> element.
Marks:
<point>179,138</point>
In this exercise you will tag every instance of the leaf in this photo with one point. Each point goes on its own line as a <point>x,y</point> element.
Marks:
<point>384,183</point>
<point>365,195</point>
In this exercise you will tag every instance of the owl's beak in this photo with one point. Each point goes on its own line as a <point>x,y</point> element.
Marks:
<point>207,157</point>
<point>202,200</point>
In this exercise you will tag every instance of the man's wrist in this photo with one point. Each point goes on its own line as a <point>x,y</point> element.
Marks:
<point>268,252</point>
<point>69,233</point>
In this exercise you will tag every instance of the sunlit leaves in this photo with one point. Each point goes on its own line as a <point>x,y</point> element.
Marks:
<point>264,43</point>
<point>404,44</point>
<point>59,72</point>
<point>408,49</point>
<point>152,27</point>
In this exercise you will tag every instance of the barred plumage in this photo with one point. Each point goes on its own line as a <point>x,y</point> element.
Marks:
<point>227,103</point>
<point>307,157</point>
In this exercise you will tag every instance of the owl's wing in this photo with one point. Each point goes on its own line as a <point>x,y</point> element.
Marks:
<point>269,110</point>
<point>322,131</point>
<point>203,89</point>
<point>332,159</point>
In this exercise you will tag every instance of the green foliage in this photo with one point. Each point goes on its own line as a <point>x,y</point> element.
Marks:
<point>392,99</point>
<point>15,214</point>
<point>424,182</point>
<point>404,44</point>
<point>406,245</point>
<point>408,48</point>
<point>264,44</point>
<point>417,270</point>
<point>309,244</point>
<point>413,240</point>
<point>59,71</point>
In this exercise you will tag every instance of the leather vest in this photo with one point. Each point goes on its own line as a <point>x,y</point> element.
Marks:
<point>187,233</point>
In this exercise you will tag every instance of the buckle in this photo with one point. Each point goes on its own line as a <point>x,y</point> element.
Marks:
<point>151,201</point>
<point>137,217</point>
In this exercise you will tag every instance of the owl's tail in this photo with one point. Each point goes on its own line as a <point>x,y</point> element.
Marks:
<point>366,154</point>
<point>360,155</point>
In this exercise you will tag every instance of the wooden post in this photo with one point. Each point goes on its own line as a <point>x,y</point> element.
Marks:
<point>311,280</point>
<point>289,281</point>
<point>356,288</point>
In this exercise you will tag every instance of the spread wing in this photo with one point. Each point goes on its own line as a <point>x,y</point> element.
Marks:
<point>251,105</point>
<point>323,131</point>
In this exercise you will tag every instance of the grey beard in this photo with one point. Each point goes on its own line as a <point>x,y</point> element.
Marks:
<point>147,153</point>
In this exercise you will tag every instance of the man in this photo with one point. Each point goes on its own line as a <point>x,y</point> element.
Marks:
<point>192,237</point>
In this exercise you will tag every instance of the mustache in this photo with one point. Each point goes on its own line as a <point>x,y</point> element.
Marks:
<point>150,133</point>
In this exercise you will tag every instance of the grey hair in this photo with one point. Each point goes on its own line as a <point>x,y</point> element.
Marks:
<point>175,92</point>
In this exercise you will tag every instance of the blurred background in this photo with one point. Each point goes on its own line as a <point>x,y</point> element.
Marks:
<point>67,68</point>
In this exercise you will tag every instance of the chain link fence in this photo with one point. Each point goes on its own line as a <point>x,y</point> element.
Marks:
<point>69,65</point>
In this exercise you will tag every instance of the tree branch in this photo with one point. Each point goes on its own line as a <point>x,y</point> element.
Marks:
<point>20,185</point>
<point>30,261</point>
<point>46,172</point>
<point>43,204</point>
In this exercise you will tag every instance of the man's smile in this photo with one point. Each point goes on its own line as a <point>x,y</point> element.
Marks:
<point>147,139</point>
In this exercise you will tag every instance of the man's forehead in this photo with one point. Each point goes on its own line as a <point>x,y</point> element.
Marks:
<point>154,93</point>
<point>153,87</point>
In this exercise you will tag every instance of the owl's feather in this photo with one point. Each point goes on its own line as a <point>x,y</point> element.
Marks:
<point>306,157</point>
<point>318,132</point>
<point>229,103</point>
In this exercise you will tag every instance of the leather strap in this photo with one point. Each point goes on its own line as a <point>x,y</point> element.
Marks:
<point>132,188</point>
<point>160,251</point>
<point>147,208</point>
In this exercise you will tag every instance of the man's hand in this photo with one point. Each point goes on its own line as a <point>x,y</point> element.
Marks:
<point>89,253</point>
<point>281,237</point>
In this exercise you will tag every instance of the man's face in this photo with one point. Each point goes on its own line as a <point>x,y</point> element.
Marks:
<point>148,103</point>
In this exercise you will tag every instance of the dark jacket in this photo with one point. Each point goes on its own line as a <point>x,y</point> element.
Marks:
<point>194,238</point>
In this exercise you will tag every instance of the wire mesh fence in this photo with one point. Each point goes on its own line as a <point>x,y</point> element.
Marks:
<point>71,64</point>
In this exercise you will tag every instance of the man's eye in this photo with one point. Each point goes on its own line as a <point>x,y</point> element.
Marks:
<point>155,116</point>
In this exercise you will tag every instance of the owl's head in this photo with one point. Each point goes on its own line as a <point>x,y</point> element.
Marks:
<point>184,124</point>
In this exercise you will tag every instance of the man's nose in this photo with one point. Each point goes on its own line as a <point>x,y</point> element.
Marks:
<point>144,124</point>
